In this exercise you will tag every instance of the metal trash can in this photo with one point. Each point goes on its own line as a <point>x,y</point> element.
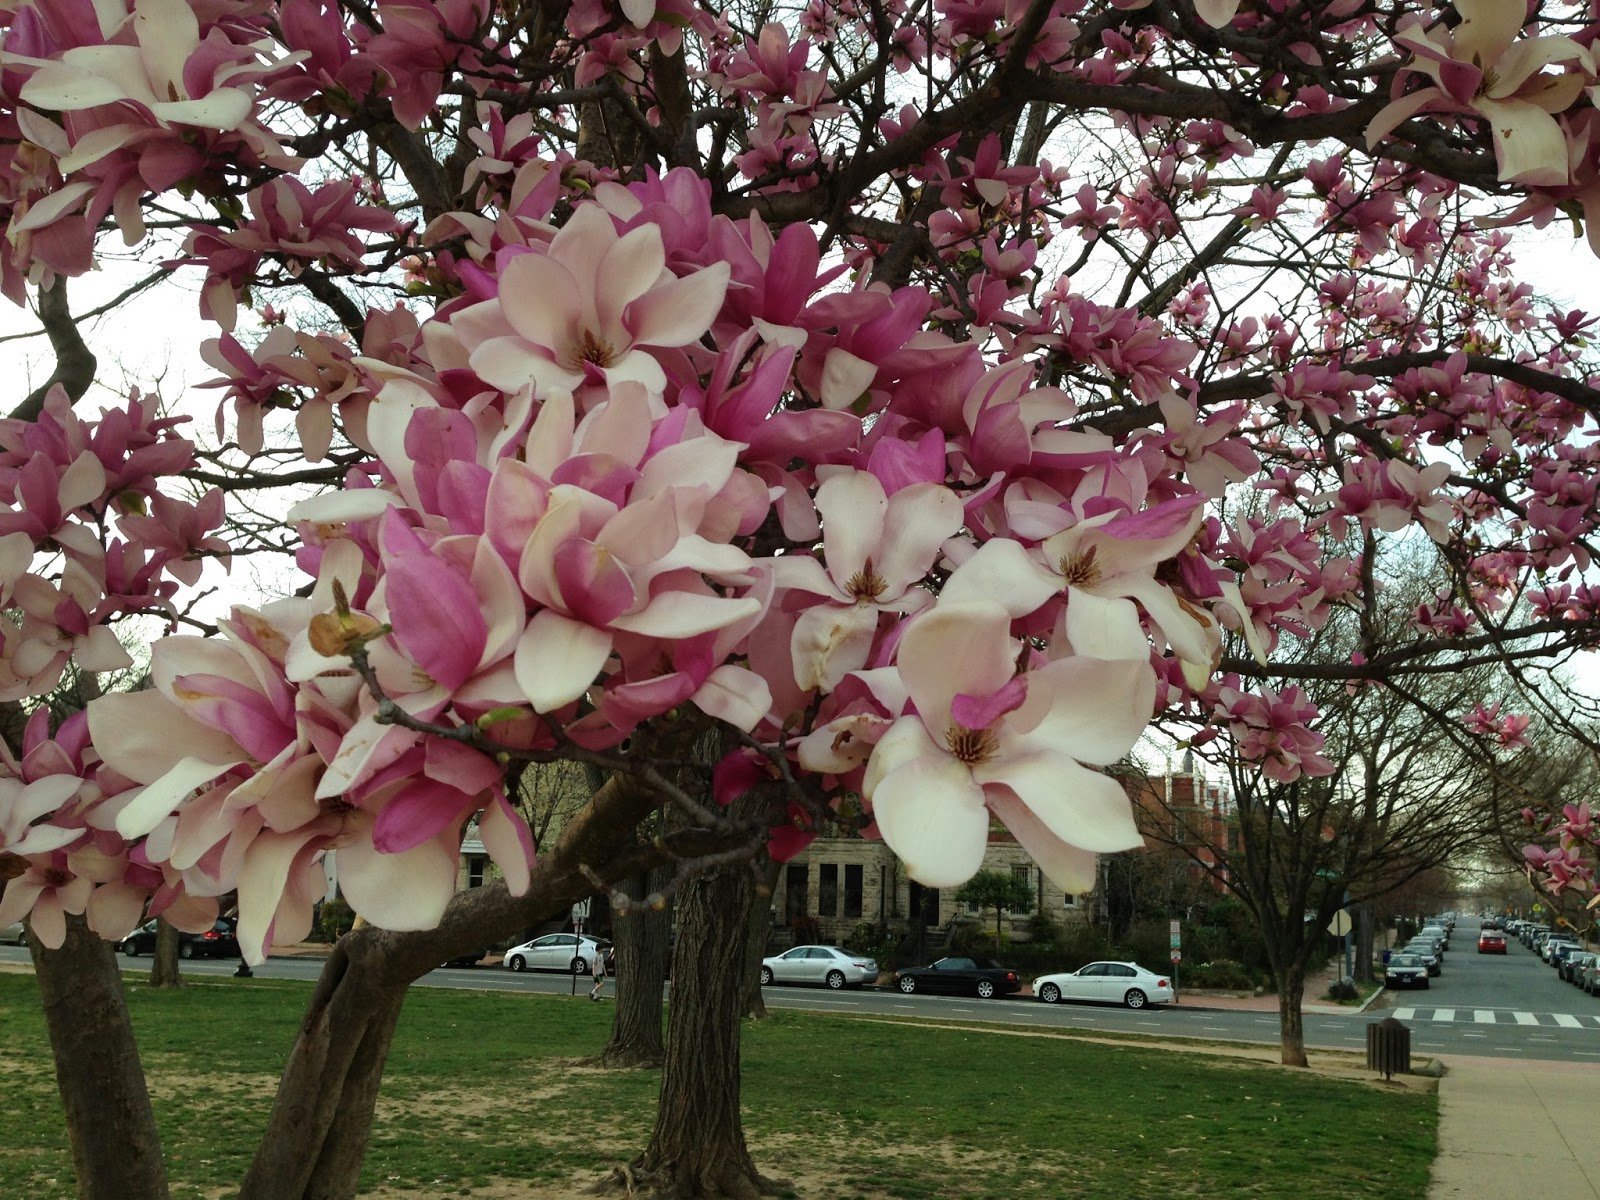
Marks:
<point>1386,955</point>
<point>1389,1048</point>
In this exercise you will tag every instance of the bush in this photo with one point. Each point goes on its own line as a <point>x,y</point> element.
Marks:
<point>807,931</point>
<point>1219,973</point>
<point>1404,930</point>
<point>335,919</point>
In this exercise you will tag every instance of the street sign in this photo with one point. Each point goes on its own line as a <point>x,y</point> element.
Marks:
<point>1340,925</point>
<point>1175,927</point>
<point>1177,956</point>
<point>1176,941</point>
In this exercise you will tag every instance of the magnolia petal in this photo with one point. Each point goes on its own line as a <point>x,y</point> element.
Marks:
<point>1104,627</point>
<point>1001,572</point>
<point>263,876</point>
<point>931,814</point>
<point>736,696</point>
<point>829,641</point>
<point>845,378</point>
<point>357,504</point>
<point>536,296</point>
<point>917,523</point>
<point>1216,13</point>
<point>954,649</point>
<point>161,797</point>
<point>114,910</point>
<point>1487,29</point>
<point>852,506</point>
<point>1077,805</point>
<point>1091,709</point>
<point>1070,868</point>
<point>557,659</point>
<point>1528,143</point>
<point>680,312</point>
<point>509,841</point>
<point>1185,630</point>
<point>143,736</point>
<point>398,891</point>
<point>677,614</point>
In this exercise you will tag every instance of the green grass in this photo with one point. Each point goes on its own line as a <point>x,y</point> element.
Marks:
<point>483,1089</point>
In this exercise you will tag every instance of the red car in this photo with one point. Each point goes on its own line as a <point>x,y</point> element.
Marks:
<point>1490,942</point>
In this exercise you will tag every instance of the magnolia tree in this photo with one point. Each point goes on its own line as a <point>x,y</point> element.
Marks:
<point>922,399</point>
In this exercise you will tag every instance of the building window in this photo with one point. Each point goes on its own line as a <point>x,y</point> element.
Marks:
<point>795,894</point>
<point>475,871</point>
<point>852,891</point>
<point>827,890</point>
<point>1068,900</point>
<point>1024,872</point>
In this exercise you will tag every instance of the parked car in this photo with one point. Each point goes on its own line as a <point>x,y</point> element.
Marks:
<point>1590,977</point>
<point>217,942</point>
<point>981,977</point>
<point>1571,968</point>
<point>1405,970</point>
<point>1107,982</point>
<point>555,952</point>
<point>14,934</point>
<point>1430,957</point>
<point>470,959</point>
<point>1556,947</point>
<point>827,965</point>
<point>1491,942</point>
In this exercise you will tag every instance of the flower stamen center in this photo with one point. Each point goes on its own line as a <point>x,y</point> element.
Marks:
<point>1080,569</point>
<point>971,746</point>
<point>866,585</point>
<point>593,349</point>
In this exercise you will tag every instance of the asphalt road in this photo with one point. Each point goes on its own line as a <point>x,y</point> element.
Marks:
<point>1482,1005</point>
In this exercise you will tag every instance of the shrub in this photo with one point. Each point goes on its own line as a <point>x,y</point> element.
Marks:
<point>335,919</point>
<point>807,931</point>
<point>1219,973</point>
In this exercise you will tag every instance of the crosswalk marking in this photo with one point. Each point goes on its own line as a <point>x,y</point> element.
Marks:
<point>1490,1016</point>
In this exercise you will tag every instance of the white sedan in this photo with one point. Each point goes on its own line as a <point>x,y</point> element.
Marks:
<point>827,965</point>
<point>555,952</point>
<point>1107,982</point>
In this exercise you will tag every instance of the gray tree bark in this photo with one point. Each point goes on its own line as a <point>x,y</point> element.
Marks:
<point>164,971</point>
<point>643,937</point>
<point>116,1147</point>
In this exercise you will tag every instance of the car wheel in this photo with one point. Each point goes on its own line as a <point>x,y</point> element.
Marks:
<point>1426,982</point>
<point>835,980</point>
<point>1050,993</point>
<point>517,963</point>
<point>130,949</point>
<point>766,976</point>
<point>985,989</point>
<point>579,967</point>
<point>1135,998</point>
<point>186,950</point>
<point>908,984</point>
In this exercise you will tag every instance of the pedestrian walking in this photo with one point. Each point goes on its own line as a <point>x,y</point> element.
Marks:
<point>597,967</point>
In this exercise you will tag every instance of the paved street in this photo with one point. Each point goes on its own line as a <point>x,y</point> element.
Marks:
<point>1481,1005</point>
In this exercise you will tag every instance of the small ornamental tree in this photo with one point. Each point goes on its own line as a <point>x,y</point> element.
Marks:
<point>911,401</point>
<point>998,890</point>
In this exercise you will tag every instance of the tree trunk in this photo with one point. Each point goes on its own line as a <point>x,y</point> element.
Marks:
<point>697,1149</point>
<point>317,1130</point>
<point>1365,932</point>
<point>644,952</point>
<point>1291,1024</point>
<point>116,1148</point>
<point>757,931</point>
<point>164,972</point>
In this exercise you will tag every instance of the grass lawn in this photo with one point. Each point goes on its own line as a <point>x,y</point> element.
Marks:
<point>486,1095</point>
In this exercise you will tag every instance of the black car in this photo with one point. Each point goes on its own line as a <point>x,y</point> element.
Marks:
<point>217,942</point>
<point>982,977</point>
<point>1405,970</point>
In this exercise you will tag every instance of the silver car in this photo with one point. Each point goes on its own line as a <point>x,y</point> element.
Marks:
<point>13,934</point>
<point>826,965</point>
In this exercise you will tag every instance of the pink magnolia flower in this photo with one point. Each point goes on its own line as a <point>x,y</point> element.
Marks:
<point>876,550</point>
<point>589,310</point>
<point>1482,67</point>
<point>985,740</point>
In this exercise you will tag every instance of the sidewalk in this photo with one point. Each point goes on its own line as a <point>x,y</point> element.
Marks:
<point>1511,1129</point>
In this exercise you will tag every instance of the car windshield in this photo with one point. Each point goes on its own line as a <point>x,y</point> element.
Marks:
<point>1405,960</point>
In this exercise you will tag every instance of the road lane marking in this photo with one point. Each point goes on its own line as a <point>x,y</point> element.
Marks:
<point>1404,1014</point>
<point>1476,1035</point>
<point>1526,1018</point>
<point>1444,1014</point>
<point>1568,1021</point>
<point>1483,1016</point>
